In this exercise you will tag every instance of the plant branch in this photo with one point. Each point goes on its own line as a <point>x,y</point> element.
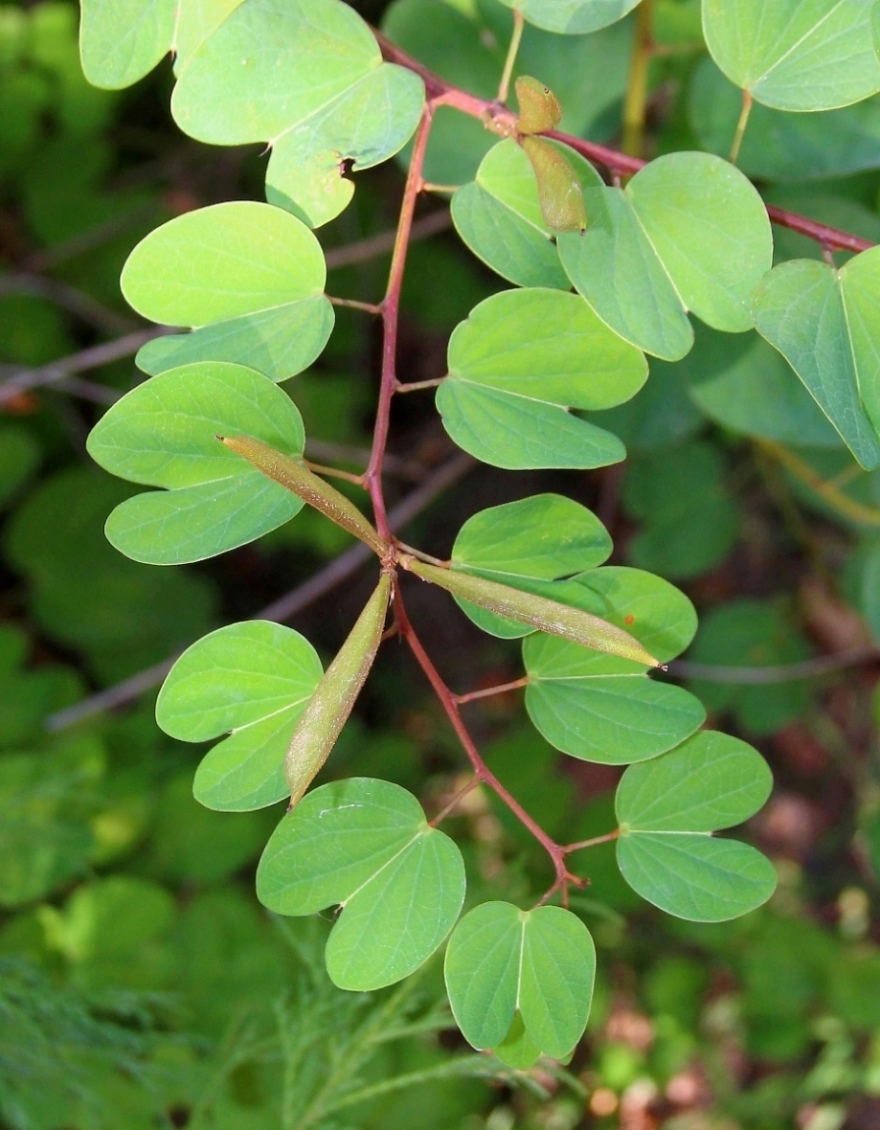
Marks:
<point>785,673</point>
<point>512,51</point>
<point>482,771</point>
<point>622,164</point>
<point>828,491</point>
<point>489,692</point>
<point>635,103</point>
<point>376,245</point>
<point>279,610</point>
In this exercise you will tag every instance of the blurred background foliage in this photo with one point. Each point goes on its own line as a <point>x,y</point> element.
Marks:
<point>141,985</point>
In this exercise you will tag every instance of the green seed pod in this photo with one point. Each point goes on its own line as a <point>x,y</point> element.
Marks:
<point>328,709</point>
<point>297,478</point>
<point>559,190</point>
<point>535,611</point>
<point>539,107</point>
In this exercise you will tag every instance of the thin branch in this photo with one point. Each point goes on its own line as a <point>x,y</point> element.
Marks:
<point>595,841</point>
<point>619,163</point>
<point>828,491</point>
<point>279,610</point>
<point>69,298</point>
<point>512,51</point>
<point>744,116</point>
<point>635,103</point>
<point>376,245</point>
<point>785,673</point>
<point>490,692</point>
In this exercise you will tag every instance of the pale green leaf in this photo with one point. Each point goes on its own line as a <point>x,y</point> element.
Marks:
<point>603,709</point>
<point>795,54</point>
<point>541,964</point>
<point>366,845</point>
<point>572,16</point>
<point>164,433</point>
<point>518,364</point>
<point>252,680</point>
<point>823,321</point>
<point>689,232</point>
<point>122,40</point>
<point>307,77</point>
<point>248,276</point>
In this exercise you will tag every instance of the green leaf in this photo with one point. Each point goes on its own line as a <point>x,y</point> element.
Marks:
<point>572,16</point>
<point>541,963</point>
<point>270,314</point>
<point>540,538</point>
<point>689,518</point>
<point>251,680</point>
<point>307,77</point>
<point>366,845</point>
<point>164,433</point>
<point>516,1049</point>
<point>603,709</point>
<point>519,362</point>
<point>122,40</point>
<point>754,392</point>
<point>823,321</point>
<point>795,54</point>
<point>779,145</point>
<point>666,809</point>
<point>498,215</point>
<point>689,232</point>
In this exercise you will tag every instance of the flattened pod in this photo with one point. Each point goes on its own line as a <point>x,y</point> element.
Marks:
<point>559,190</point>
<point>539,107</point>
<point>536,611</point>
<point>322,720</point>
<point>305,484</point>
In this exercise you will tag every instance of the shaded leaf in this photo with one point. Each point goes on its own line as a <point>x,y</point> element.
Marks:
<point>572,16</point>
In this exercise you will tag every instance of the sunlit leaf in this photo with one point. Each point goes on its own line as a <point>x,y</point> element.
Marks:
<point>572,16</point>
<point>120,42</point>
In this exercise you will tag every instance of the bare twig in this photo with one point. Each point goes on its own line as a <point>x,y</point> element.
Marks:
<point>381,244</point>
<point>69,298</point>
<point>785,673</point>
<point>281,609</point>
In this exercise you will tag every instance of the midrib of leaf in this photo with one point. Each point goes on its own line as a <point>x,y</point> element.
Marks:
<point>518,215</point>
<point>797,43</point>
<point>518,395</point>
<point>325,106</point>
<point>657,254</point>
<point>387,863</point>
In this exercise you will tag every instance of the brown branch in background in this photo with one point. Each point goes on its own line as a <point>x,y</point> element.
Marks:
<point>279,610</point>
<point>69,298</point>
<point>615,162</point>
<point>381,244</point>
<point>785,673</point>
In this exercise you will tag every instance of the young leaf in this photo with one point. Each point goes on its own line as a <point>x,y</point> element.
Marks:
<point>539,108</point>
<point>540,538</point>
<point>689,232</point>
<point>823,321</point>
<point>270,313</point>
<point>668,807</point>
<point>307,77</point>
<point>329,707</point>
<point>516,366</point>
<point>537,612</point>
<point>296,477</point>
<point>572,17</point>
<point>795,55</point>
<point>498,215</point>
<point>541,964</point>
<point>163,433</point>
<point>120,42</point>
<point>250,680</point>
<point>366,845</point>
<point>603,709</point>
<point>559,190</point>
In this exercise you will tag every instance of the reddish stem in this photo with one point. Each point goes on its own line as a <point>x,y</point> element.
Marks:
<point>488,692</point>
<point>390,317</point>
<point>607,838</point>
<point>482,771</point>
<point>618,163</point>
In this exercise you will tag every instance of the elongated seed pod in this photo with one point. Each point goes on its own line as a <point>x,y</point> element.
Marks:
<point>539,107</point>
<point>328,709</point>
<point>559,190</point>
<point>305,484</point>
<point>535,611</point>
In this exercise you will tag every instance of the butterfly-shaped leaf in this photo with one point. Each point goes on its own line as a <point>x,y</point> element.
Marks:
<point>249,680</point>
<point>509,969</point>
<point>520,361</point>
<point>365,845</point>
<point>164,433</point>
<point>667,809</point>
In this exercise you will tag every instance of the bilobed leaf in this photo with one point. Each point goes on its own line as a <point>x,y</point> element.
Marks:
<point>572,16</point>
<point>250,680</point>
<point>247,276</point>
<point>307,77</point>
<point>122,40</point>
<point>668,807</point>
<point>603,709</point>
<point>824,322</point>
<point>498,215</point>
<point>518,364</point>
<point>164,433</point>
<point>366,845</point>
<point>795,54</point>
<point>541,538</point>
<point>689,232</point>
<point>539,964</point>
